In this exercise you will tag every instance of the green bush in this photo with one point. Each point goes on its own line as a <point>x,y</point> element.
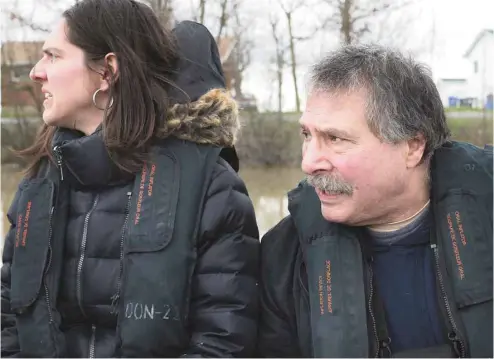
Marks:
<point>269,140</point>
<point>266,139</point>
<point>474,130</point>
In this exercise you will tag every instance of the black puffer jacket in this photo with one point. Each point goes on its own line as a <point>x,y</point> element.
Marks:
<point>222,315</point>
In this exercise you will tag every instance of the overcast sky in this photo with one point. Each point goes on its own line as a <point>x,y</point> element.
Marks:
<point>456,23</point>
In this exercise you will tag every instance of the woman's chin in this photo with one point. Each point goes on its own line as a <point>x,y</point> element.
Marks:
<point>51,120</point>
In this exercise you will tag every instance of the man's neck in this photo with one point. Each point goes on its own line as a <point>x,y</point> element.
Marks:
<point>414,201</point>
<point>396,225</point>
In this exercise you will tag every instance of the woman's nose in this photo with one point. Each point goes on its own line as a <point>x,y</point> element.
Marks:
<point>37,74</point>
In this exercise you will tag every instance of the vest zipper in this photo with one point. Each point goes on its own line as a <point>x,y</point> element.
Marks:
<point>92,341</point>
<point>453,336</point>
<point>48,265</point>
<point>116,297</point>
<point>58,157</point>
<point>306,291</point>
<point>83,253</point>
<point>305,295</point>
<point>369,305</point>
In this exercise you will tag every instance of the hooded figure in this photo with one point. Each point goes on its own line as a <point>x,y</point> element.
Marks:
<point>200,70</point>
<point>158,263</point>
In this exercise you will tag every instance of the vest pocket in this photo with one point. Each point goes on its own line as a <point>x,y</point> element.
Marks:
<point>31,243</point>
<point>153,206</point>
<point>466,232</point>
<point>157,271</point>
<point>337,296</point>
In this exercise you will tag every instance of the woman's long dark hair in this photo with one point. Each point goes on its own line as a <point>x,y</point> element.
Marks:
<point>147,56</point>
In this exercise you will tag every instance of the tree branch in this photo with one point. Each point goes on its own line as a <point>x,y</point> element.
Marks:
<point>384,7</point>
<point>23,21</point>
<point>223,19</point>
<point>202,11</point>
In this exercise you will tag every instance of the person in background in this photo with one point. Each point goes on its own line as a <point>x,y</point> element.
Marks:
<point>130,235</point>
<point>387,250</point>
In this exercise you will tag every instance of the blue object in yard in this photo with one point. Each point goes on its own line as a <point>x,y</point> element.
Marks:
<point>452,101</point>
<point>488,103</point>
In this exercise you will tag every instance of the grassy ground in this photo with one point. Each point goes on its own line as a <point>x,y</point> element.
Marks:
<point>474,130</point>
<point>11,177</point>
<point>10,112</point>
<point>466,109</point>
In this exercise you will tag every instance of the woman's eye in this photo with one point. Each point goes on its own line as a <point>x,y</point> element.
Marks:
<point>52,57</point>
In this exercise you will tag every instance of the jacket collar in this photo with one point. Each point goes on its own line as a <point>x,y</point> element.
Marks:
<point>84,161</point>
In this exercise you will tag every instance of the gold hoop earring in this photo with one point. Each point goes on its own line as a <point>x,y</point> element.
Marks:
<point>94,101</point>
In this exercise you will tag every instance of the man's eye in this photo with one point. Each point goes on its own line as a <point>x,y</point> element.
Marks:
<point>334,139</point>
<point>305,135</point>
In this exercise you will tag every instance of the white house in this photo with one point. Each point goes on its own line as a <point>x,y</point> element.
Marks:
<point>475,84</point>
<point>452,88</point>
<point>480,55</point>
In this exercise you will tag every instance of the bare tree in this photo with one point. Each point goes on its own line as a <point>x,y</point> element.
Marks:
<point>202,11</point>
<point>22,101</point>
<point>25,17</point>
<point>224,17</point>
<point>353,18</point>
<point>243,47</point>
<point>215,21</point>
<point>279,59</point>
<point>288,11</point>
<point>394,27</point>
<point>23,21</point>
<point>227,9</point>
<point>163,9</point>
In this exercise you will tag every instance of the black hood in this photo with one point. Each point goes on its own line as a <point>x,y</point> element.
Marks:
<point>199,66</point>
<point>199,71</point>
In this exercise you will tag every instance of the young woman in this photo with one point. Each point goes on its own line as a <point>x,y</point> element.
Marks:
<point>130,235</point>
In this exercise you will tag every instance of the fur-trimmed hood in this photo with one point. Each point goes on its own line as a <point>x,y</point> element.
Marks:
<point>204,112</point>
<point>212,119</point>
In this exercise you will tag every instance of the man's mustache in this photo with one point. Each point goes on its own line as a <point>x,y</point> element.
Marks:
<point>330,184</point>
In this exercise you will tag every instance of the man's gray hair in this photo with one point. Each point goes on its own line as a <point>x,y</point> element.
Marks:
<point>403,100</point>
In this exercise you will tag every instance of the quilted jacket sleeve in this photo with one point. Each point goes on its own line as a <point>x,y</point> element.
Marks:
<point>10,342</point>
<point>224,302</point>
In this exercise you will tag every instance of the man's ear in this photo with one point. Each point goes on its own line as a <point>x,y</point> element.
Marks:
<point>415,150</point>
<point>110,72</point>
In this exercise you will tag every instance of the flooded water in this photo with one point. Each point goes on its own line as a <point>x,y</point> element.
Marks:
<point>267,189</point>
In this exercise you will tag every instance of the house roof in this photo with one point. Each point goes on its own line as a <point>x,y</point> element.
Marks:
<point>226,45</point>
<point>21,52</point>
<point>479,37</point>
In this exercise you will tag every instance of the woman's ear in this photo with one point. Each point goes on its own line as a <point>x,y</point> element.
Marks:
<point>111,71</point>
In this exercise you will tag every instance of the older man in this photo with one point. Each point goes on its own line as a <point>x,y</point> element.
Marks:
<point>388,246</point>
